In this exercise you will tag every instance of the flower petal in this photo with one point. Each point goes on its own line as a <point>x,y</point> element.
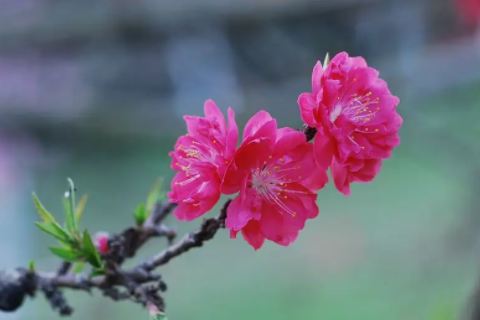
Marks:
<point>316,78</point>
<point>232,135</point>
<point>323,150</point>
<point>238,214</point>
<point>340,177</point>
<point>255,123</point>
<point>213,114</point>
<point>308,105</point>
<point>253,235</point>
<point>287,140</point>
<point>274,227</point>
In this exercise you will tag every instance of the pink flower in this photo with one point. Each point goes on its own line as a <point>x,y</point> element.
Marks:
<point>275,172</point>
<point>356,118</point>
<point>200,159</point>
<point>101,242</point>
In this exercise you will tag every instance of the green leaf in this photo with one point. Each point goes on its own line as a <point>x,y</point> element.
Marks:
<point>55,230</point>
<point>97,272</point>
<point>80,208</point>
<point>160,316</point>
<point>67,254</point>
<point>79,266</point>
<point>31,266</point>
<point>70,207</point>
<point>153,197</point>
<point>91,253</point>
<point>68,245</point>
<point>46,216</point>
<point>140,214</point>
<point>155,314</point>
<point>326,61</point>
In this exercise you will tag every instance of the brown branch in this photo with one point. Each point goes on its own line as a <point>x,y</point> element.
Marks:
<point>64,268</point>
<point>194,239</point>
<point>139,284</point>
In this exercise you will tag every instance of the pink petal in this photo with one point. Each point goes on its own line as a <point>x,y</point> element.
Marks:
<point>253,154</point>
<point>274,228</point>
<point>340,178</point>
<point>308,106</point>
<point>195,196</point>
<point>232,135</point>
<point>213,113</point>
<point>323,150</point>
<point>369,171</point>
<point>238,214</point>
<point>185,212</point>
<point>289,140</point>
<point>281,132</point>
<point>317,179</point>
<point>301,201</point>
<point>233,234</point>
<point>253,235</point>
<point>255,123</point>
<point>232,179</point>
<point>316,78</point>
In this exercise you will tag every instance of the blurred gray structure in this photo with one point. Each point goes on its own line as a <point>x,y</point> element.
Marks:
<point>115,67</point>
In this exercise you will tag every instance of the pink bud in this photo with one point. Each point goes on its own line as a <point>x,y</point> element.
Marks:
<point>152,309</point>
<point>101,241</point>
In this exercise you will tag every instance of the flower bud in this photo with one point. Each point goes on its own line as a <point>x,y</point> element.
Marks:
<point>101,242</point>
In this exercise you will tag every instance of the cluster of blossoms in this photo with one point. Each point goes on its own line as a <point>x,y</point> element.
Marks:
<point>276,172</point>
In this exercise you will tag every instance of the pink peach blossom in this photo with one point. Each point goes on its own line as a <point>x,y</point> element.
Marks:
<point>356,118</point>
<point>200,159</point>
<point>275,172</point>
<point>101,242</point>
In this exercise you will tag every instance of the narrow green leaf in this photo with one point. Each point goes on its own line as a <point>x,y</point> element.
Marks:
<point>67,254</point>
<point>91,253</point>
<point>326,61</point>
<point>46,216</point>
<point>79,266</point>
<point>80,208</point>
<point>97,272</point>
<point>55,230</point>
<point>159,316</point>
<point>31,266</point>
<point>69,204</point>
<point>153,197</point>
<point>140,214</point>
<point>66,245</point>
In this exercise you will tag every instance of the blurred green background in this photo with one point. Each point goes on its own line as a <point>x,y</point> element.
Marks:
<point>96,90</point>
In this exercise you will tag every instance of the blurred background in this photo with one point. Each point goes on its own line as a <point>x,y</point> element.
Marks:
<point>95,90</point>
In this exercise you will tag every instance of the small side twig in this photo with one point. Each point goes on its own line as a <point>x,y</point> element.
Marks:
<point>130,240</point>
<point>139,284</point>
<point>64,268</point>
<point>57,299</point>
<point>194,239</point>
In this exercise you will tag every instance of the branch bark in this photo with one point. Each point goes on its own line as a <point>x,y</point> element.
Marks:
<point>139,284</point>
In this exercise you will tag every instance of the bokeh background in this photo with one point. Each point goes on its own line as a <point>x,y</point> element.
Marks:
<point>95,90</point>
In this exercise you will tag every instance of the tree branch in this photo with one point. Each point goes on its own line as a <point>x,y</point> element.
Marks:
<point>195,239</point>
<point>139,284</point>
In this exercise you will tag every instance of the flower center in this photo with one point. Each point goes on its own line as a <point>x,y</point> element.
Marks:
<point>271,183</point>
<point>359,109</point>
<point>196,156</point>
